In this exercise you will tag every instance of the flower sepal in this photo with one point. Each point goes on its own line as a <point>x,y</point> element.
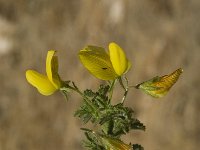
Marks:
<point>65,88</point>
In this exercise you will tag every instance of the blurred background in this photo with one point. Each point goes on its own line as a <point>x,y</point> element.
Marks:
<point>158,36</point>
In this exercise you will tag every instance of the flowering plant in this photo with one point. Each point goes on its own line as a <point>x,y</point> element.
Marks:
<point>111,121</point>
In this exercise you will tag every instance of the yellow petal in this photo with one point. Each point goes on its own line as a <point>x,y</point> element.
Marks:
<point>41,82</point>
<point>52,68</point>
<point>159,86</point>
<point>118,59</point>
<point>97,62</point>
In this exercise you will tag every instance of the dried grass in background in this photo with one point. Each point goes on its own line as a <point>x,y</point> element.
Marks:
<point>158,36</point>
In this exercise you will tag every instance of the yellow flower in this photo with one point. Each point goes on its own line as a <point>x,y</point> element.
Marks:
<point>103,65</point>
<point>46,84</point>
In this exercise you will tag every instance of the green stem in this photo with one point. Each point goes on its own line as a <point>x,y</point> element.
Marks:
<point>124,97</point>
<point>111,89</point>
<point>121,83</point>
<point>66,87</point>
<point>126,88</point>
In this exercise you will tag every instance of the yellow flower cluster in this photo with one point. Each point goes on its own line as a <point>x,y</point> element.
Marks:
<point>103,65</point>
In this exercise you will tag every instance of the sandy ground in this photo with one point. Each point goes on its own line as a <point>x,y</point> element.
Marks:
<point>158,36</point>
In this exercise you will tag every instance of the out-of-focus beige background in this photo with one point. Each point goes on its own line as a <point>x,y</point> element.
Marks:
<point>158,36</point>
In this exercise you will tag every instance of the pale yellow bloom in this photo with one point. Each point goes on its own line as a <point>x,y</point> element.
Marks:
<point>46,84</point>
